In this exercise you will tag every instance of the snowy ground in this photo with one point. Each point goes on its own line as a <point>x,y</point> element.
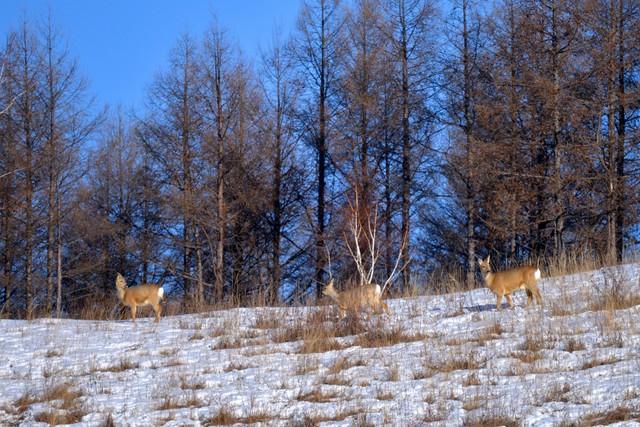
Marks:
<point>448,360</point>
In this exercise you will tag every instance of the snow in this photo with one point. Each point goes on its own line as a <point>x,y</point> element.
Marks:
<point>447,360</point>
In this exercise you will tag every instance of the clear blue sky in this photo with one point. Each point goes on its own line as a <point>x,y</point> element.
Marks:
<point>121,44</point>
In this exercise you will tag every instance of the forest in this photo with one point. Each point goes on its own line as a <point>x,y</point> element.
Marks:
<point>446,131</point>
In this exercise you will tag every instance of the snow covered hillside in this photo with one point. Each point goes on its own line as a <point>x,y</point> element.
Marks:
<point>447,360</point>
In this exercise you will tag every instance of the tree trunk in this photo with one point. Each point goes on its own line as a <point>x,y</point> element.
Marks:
<point>322,159</point>
<point>620,151</point>
<point>470,160</point>
<point>59,258</point>
<point>557,149</point>
<point>276,202</point>
<point>222,215</point>
<point>406,154</point>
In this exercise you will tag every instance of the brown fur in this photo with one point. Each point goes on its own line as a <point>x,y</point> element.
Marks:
<point>356,299</point>
<point>140,295</point>
<point>503,283</point>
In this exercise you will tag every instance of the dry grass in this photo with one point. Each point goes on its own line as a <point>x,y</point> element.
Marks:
<point>319,341</point>
<point>612,296</point>
<point>316,334</point>
<point>611,416</point>
<point>307,365</point>
<point>54,353</point>
<point>226,343</point>
<point>343,363</point>
<point>54,417</point>
<point>556,392</point>
<point>269,320</point>
<point>381,337</point>
<point>217,331</point>
<point>456,361</point>
<point>342,414</point>
<point>471,380</point>
<point>573,345</point>
<point>318,395</point>
<point>609,360</point>
<point>384,395</point>
<point>236,366</point>
<point>291,333</point>
<point>196,336</point>
<point>108,422</point>
<point>394,374</point>
<point>65,391</point>
<point>573,262</point>
<point>335,380</point>
<point>538,338</point>
<point>222,418</point>
<point>526,356</point>
<point>180,402</point>
<point>24,401</point>
<point>186,324</point>
<point>191,385</point>
<point>167,352</point>
<point>307,421</point>
<point>66,411</point>
<point>225,417</point>
<point>124,365</point>
<point>490,420</point>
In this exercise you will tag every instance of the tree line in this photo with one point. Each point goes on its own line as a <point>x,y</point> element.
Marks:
<point>449,130</point>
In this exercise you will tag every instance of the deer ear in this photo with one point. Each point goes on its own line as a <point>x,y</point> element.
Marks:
<point>488,258</point>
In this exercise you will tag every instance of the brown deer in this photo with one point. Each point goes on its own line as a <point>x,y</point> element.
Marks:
<point>356,299</point>
<point>140,295</point>
<point>503,283</point>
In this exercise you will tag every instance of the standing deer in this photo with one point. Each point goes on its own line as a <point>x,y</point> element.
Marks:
<point>140,295</point>
<point>503,283</point>
<point>355,299</point>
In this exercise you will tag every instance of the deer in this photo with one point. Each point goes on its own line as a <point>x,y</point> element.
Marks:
<point>503,283</point>
<point>365,293</point>
<point>355,299</point>
<point>140,295</point>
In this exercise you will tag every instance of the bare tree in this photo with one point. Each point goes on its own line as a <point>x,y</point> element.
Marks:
<point>28,74</point>
<point>171,132</point>
<point>409,35</point>
<point>9,187</point>
<point>221,106</point>
<point>69,123</point>
<point>280,93</point>
<point>318,50</point>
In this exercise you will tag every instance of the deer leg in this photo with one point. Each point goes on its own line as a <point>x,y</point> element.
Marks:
<point>508,297</point>
<point>529,297</point>
<point>498,301</point>
<point>385,307</point>
<point>158,309</point>
<point>133,313</point>
<point>538,296</point>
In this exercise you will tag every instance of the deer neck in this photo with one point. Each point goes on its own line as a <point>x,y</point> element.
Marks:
<point>331,293</point>
<point>488,278</point>
<point>121,292</point>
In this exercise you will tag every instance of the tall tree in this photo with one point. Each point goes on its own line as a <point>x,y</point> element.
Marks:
<point>410,36</point>
<point>221,104</point>
<point>319,47</point>
<point>280,93</point>
<point>9,161</point>
<point>28,74</point>
<point>69,122</point>
<point>171,132</point>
